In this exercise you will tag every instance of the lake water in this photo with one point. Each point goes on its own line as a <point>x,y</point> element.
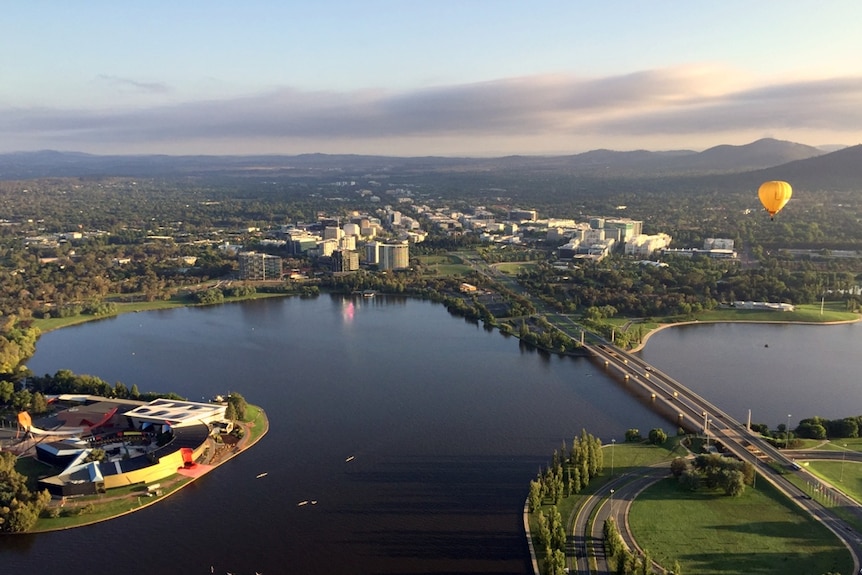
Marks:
<point>447,423</point>
<point>772,369</point>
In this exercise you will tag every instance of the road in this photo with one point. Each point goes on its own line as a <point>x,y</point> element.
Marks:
<point>694,413</point>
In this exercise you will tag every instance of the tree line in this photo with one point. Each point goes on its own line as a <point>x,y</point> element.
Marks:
<point>20,506</point>
<point>568,474</point>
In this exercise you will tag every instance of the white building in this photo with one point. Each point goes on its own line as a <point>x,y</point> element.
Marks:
<point>644,245</point>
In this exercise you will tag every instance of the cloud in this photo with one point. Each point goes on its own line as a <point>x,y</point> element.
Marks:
<point>134,85</point>
<point>687,103</point>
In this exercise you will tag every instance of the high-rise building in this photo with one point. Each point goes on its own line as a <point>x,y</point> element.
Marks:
<point>345,261</point>
<point>347,243</point>
<point>394,256</point>
<point>372,253</point>
<point>258,267</point>
<point>523,215</point>
<point>627,228</point>
<point>332,233</point>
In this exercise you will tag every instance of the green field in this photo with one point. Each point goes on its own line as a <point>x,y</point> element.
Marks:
<point>832,311</point>
<point>711,534</point>
<point>256,416</point>
<point>512,268</point>
<point>448,265</point>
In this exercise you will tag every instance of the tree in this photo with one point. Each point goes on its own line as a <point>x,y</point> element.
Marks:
<point>21,400</point>
<point>535,498</point>
<point>690,479</point>
<point>7,388</point>
<point>239,404</point>
<point>646,563</point>
<point>556,564</point>
<point>230,412</point>
<point>657,436</point>
<point>19,507</point>
<point>734,483</point>
<point>633,435</point>
<point>678,466</point>
<point>558,529</point>
<point>39,404</point>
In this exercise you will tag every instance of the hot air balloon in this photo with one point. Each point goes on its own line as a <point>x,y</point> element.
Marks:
<point>774,195</point>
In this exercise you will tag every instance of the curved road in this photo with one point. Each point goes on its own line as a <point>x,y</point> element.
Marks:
<point>587,526</point>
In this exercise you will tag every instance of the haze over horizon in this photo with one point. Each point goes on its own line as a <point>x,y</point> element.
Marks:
<point>482,78</point>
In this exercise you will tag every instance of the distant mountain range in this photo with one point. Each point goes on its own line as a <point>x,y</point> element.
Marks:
<point>804,166</point>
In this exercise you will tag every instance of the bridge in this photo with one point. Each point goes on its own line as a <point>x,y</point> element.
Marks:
<point>690,411</point>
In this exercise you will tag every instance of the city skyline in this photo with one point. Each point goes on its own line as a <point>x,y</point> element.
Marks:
<point>403,78</point>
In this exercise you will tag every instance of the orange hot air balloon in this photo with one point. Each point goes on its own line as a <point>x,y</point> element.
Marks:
<point>774,195</point>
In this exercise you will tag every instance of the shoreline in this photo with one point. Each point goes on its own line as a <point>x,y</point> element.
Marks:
<point>217,459</point>
<point>664,326</point>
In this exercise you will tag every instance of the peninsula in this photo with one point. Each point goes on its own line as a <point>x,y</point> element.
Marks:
<point>100,457</point>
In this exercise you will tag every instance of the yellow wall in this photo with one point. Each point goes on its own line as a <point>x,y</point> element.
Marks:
<point>166,467</point>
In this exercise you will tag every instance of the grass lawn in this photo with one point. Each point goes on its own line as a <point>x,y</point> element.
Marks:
<point>448,265</point>
<point>849,443</point>
<point>33,468</point>
<point>845,476</point>
<point>760,532</point>
<point>512,268</point>
<point>107,506</point>
<point>832,311</point>
<point>256,415</point>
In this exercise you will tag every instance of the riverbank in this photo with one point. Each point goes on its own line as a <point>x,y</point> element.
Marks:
<point>88,510</point>
<point>46,325</point>
<point>788,321</point>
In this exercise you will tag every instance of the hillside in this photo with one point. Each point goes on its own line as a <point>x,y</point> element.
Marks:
<point>718,168</point>
<point>603,163</point>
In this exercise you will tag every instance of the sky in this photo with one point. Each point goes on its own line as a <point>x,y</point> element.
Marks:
<point>437,77</point>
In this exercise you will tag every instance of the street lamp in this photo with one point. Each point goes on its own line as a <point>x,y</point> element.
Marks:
<point>612,503</point>
<point>613,443</point>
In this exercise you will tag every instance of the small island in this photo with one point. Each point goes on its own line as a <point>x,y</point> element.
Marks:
<point>93,458</point>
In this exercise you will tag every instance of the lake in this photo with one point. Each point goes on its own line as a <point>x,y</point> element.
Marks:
<point>447,424</point>
<point>772,369</point>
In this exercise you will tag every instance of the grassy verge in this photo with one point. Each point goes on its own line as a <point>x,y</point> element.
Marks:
<point>832,311</point>
<point>712,534</point>
<point>259,424</point>
<point>94,508</point>
<point>513,268</point>
<point>46,325</point>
